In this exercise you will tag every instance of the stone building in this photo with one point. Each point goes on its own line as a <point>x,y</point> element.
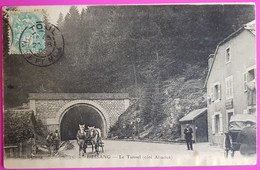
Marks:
<point>231,81</point>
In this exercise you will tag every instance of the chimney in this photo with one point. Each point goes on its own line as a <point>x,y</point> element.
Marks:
<point>210,60</point>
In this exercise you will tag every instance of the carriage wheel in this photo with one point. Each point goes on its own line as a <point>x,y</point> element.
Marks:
<point>225,153</point>
<point>232,153</point>
<point>102,147</point>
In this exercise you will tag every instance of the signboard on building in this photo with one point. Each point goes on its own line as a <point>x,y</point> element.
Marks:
<point>229,104</point>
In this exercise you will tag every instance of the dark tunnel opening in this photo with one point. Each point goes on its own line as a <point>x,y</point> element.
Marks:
<point>79,114</point>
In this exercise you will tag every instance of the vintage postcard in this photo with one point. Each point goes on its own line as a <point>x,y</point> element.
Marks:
<point>129,85</point>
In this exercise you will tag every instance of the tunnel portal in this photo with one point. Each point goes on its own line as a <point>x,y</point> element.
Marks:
<point>80,114</point>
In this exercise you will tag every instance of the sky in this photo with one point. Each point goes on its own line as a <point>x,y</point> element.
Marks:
<point>52,11</point>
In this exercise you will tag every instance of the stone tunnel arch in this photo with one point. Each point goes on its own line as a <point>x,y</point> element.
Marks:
<point>81,112</point>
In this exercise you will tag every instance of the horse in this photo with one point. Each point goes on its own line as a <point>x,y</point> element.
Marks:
<point>81,139</point>
<point>94,137</point>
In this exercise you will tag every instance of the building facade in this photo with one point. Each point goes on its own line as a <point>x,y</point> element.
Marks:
<point>231,81</point>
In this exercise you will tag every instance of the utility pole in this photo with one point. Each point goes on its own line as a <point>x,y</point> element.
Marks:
<point>135,78</point>
<point>158,70</point>
<point>138,126</point>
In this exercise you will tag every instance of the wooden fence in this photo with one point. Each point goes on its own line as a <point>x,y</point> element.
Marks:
<point>22,150</point>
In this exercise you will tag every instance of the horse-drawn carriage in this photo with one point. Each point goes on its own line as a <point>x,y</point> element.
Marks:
<point>241,134</point>
<point>89,137</point>
<point>100,145</point>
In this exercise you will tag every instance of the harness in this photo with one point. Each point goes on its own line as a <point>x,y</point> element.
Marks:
<point>81,135</point>
<point>94,134</point>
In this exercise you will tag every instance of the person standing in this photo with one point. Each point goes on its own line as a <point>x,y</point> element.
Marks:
<point>188,136</point>
<point>228,145</point>
<point>56,140</point>
<point>49,142</point>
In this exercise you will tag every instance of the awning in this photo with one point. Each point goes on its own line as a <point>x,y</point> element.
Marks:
<point>243,118</point>
<point>192,115</point>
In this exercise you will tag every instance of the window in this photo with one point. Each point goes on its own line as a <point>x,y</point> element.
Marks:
<point>245,81</point>
<point>229,87</point>
<point>212,94</point>
<point>251,75</point>
<point>229,114</point>
<point>250,86</point>
<point>248,78</point>
<point>228,55</point>
<point>217,124</point>
<point>217,92</point>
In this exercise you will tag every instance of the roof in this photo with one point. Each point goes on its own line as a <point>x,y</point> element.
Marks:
<point>249,27</point>
<point>77,96</point>
<point>192,115</point>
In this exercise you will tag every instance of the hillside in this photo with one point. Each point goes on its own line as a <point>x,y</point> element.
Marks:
<point>160,110</point>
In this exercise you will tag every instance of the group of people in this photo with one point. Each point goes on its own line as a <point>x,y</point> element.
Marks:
<point>227,144</point>
<point>245,141</point>
<point>53,142</point>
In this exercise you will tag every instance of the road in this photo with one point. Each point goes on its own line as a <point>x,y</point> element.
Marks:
<point>133,153</point>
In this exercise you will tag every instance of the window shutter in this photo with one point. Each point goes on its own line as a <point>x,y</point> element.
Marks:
<point>213,124</point>
<point>220,123</point>
<point>227,88</point>
<point>212,93</point>
<point>219,91</point>
<point>231,86</point>
<point>245,81</point>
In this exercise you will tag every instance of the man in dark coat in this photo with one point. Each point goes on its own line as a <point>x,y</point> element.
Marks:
<point>188,136</point>
<point>228,144</point>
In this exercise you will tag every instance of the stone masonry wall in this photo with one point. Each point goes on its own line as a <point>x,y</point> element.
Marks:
<point>48,109</point>
<point>114,107</point>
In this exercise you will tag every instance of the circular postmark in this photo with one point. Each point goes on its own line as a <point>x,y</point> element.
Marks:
<point>41,44</point>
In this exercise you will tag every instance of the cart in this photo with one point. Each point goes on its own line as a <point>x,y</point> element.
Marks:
<point>101,145</point>
<point>237,124</point>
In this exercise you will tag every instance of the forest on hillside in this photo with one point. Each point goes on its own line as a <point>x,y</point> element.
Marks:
<point>157,54</point>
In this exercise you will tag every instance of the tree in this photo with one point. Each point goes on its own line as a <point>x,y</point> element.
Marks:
<point>60,21</point>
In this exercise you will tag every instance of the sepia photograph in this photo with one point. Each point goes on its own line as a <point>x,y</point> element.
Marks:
<point>154,85</point>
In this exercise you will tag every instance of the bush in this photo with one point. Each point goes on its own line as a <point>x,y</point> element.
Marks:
<point>21,125</point>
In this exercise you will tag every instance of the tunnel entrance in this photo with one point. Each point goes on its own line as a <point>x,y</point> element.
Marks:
<point>80,114</point>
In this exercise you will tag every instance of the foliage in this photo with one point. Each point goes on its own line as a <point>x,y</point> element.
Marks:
<point>18,126</point>
<point>103,44</point>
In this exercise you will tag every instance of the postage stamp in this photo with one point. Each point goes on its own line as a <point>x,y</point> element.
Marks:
<point>41,44</point>
<point>19,21</point>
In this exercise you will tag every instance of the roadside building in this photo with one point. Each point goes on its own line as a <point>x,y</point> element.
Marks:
<point>199,124</point>
<point>231,80</point>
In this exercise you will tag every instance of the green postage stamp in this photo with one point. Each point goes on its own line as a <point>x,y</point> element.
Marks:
<point>26,32</point>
